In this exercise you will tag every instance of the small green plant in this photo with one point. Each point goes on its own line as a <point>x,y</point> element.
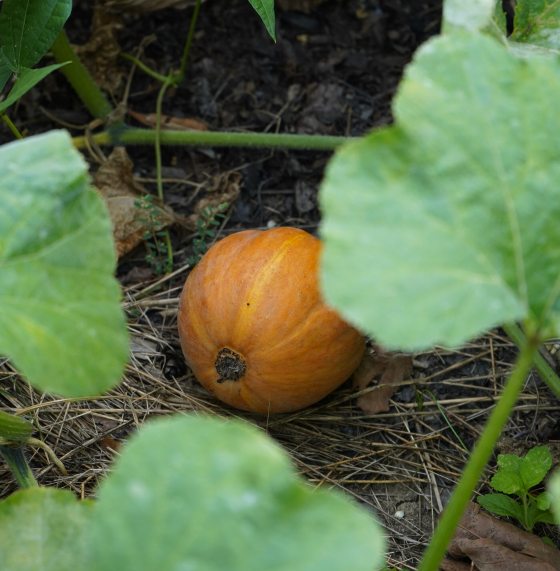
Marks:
<point>155,236</point>
<point>206,226</point>
<point>518,476</point>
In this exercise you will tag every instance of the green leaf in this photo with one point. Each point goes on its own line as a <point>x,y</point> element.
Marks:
<point>201,493</point>
<point>507,482</point>
<point>500,504</point>
<point>510,462</point>
<point>27,79</point>
<point>13,428</point>
<point>43,529</point>
<point>28,28</point>
<point>545,516</point>
<point>537,22</point>
<point>554,491</point>
<point>5,72</point>
<point>543,501</point>
<point>265,10</point>
<point>535,466</point>
<point>61,321</point>
<point>472,16</point>
<point>434,228</point>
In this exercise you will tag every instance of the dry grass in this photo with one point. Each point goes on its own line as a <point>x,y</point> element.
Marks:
<point>402,464</point>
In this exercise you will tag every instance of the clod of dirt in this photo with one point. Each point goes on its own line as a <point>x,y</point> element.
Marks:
<point>390,370</point>
<point>132,211</point>
<point>489,544</point>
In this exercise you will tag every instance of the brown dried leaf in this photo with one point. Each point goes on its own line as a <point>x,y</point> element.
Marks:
<point>390,370</point>
<point>224,189</point>
<point>169,122</point>
<point>115,182</point>
<point>492,544</point>
<point>100,54</point>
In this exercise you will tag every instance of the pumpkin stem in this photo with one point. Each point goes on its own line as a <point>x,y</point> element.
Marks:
<point>230,365</point>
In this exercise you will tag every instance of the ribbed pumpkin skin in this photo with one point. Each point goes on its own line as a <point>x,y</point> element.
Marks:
<point>256,293</point>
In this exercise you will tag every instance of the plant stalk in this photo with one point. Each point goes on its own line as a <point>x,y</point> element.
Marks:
<point>11,125</point>
<point>123,135</point>
<point>80,79</point>
<point>478,460</point>
<point>19,467</point>
<point>546,372</point>
<point>180,76</point>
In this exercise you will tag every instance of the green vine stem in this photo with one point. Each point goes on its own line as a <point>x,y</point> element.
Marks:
<point>11,125</point>
<point>80,79</point>
<point>123,135</point>
<point>180,76</point>
<point>19,467</point>
<point>478,459</point>
<point>546,372</point>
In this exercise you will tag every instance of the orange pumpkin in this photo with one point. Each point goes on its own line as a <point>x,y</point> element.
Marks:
<point>254,329</point>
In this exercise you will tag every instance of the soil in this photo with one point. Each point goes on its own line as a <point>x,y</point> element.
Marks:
<point>333,70</point>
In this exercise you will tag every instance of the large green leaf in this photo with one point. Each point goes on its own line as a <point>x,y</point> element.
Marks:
<point>446,224</point>
<point>60,319</point>
<point>472,15</point>
<point>28,29</point>
<point>265,10</point>
<point>537,22</point>
<point>554,490</point>
<point>27,79</point>
<point>43,529</point>
<point>203,494</point>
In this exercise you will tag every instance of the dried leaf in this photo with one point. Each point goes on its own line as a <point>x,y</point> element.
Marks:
<point>390,370</point>
<point>169,122</point>
<point>131,215</point>
<point>224,189</point>
<point>491,544</point>
<point>100,54</point>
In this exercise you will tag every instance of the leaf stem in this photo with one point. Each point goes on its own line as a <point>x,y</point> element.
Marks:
<point>546,372</point>
<point>478,459</point>
<point>124,135</point>
<point>11,125</point>
<point>180,76</point>
<point>19,467</point>
<point>159,177</point>
<point>80,79</point>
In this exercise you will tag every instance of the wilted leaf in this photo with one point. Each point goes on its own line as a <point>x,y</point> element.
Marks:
<point>170,122</point>
<point>132,215</point>
<point>487,540</point>
<point>389,371</point>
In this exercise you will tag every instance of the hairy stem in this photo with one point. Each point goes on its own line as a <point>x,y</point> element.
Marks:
<point>80,79</point>
<point>123,135</point>
<point>478,459</point>
<point>546,372</point>
<point>18,465</point>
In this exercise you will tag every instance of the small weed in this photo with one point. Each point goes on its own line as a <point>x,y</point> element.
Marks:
<point>208,221</point>
<point>155,237</point>
<point>517,476</point>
